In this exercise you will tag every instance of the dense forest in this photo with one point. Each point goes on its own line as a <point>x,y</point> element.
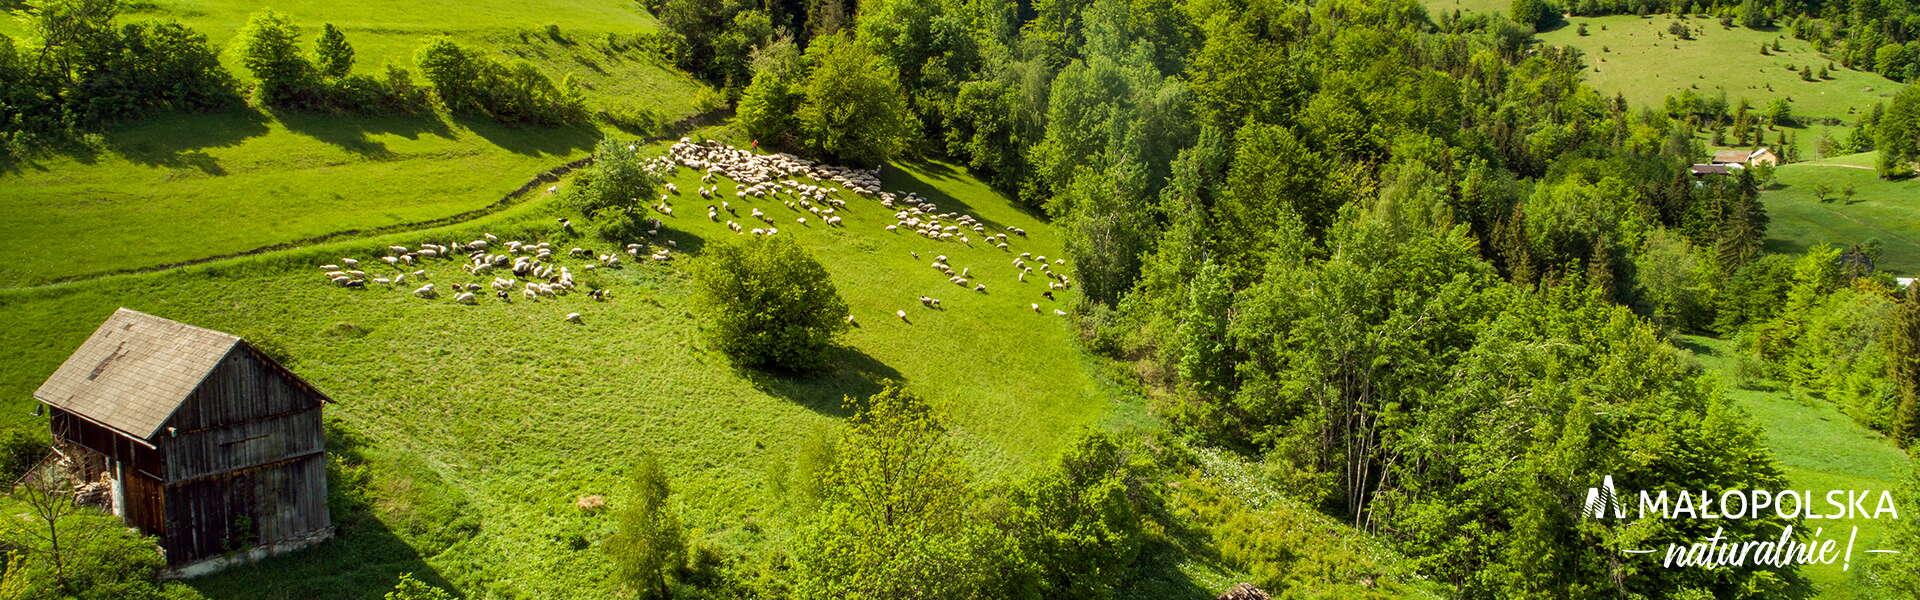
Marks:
<point>1412,266</point>
<point>1406,264</point>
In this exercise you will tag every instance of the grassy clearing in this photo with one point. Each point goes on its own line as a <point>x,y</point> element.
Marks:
<point>1435,7</point>
<point>482,424</point>
<point>1821,450</point>
<point>1880,210</point>
<point>191,186</point>
<point>1637,57</point>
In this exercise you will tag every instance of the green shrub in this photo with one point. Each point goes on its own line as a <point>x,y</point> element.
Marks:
<point>616,180</point>
<point>19,450</point>
<point>468,82</point>
<point>771,304</point>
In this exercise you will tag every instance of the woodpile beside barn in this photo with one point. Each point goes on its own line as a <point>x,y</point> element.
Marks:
<point>199,438</point>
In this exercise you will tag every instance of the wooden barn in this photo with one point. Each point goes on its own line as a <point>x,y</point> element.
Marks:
<point>205,442</point>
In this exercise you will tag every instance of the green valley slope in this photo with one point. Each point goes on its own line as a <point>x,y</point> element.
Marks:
<point>185,187</point>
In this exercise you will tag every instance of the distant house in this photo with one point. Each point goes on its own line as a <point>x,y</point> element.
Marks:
<point>1705,170</point>
<point>1746,158</point>
<point>208,444</point>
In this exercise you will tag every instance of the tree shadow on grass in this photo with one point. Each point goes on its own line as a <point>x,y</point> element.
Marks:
<point>353,133</point>
<point>853,374</point>
<point>179,141</point>
<point>362,560</point>
<point>908,177</point>
<point>531,140</point>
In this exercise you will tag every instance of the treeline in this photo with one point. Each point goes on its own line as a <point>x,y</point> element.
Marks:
<point>81,72</point>
<point>1412,267</point>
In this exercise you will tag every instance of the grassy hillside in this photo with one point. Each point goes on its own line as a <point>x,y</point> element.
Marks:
<point>482,424</point>
<point>1637,57</point>
<point>191,186</point>
<point>1821,449</point>
<point>1879,210</point>
<point>1481,6</point>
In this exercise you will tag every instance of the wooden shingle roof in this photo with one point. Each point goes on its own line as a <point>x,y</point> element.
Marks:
<point>135,371</point>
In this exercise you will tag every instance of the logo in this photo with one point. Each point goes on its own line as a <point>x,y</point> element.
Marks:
<point>1606,503</point>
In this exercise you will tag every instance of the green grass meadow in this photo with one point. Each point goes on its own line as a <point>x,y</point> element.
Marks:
<point>185,187</point>
<point>1821,449</point>
<point>1636,57</point>
<point>1436,7</point>
<point>1887,212</point>
<point>481,425</point>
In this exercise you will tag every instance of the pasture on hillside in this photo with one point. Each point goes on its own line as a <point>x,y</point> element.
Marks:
<point>481,425</point>
<point>1821,449</point>
<point>1808,204</point>
<point>184,187</point>
<point>1637,57</point>
<point>1437,7</point>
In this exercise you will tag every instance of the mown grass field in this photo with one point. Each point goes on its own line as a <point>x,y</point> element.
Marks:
<point>184,187</point>
<point>1637,57</point>
<point>483,424</point>
<point>1887,212</point>
<point>1821,449</point>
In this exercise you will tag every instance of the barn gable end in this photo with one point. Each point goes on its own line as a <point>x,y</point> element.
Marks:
<point>210,444</point>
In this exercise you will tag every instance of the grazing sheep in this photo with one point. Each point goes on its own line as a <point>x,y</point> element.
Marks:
<point>425,291</point>
<point>464,298</point>
<point>530,293</point>
<point>850,321</point>
<point>966,272</point>
<point>900,313</point>
<point>982,288</point>
<point>573,317</point>
<point>329,267</point>
<point>350,263</point>
<point>490,237</point>
<point>1035,307</point>
<point>1058,312</point>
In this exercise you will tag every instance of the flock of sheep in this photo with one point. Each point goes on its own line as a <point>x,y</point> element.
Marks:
<point>774,177</point>
<point>534,270</point>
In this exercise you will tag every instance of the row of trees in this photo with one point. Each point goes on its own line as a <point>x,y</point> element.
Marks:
<point>465,81</point>
<point>83,72</point>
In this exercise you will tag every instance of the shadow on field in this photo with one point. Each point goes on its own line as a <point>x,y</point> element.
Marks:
<point>366,555</point>
<point>179,141</point>
<point>854,374</point>
<point>530,139</point>
<point>911,177</point>
<point>352,133</point>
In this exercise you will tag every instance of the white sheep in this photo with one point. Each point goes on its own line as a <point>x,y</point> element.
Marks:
<point>573,317</point>
<point>464,298</point>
